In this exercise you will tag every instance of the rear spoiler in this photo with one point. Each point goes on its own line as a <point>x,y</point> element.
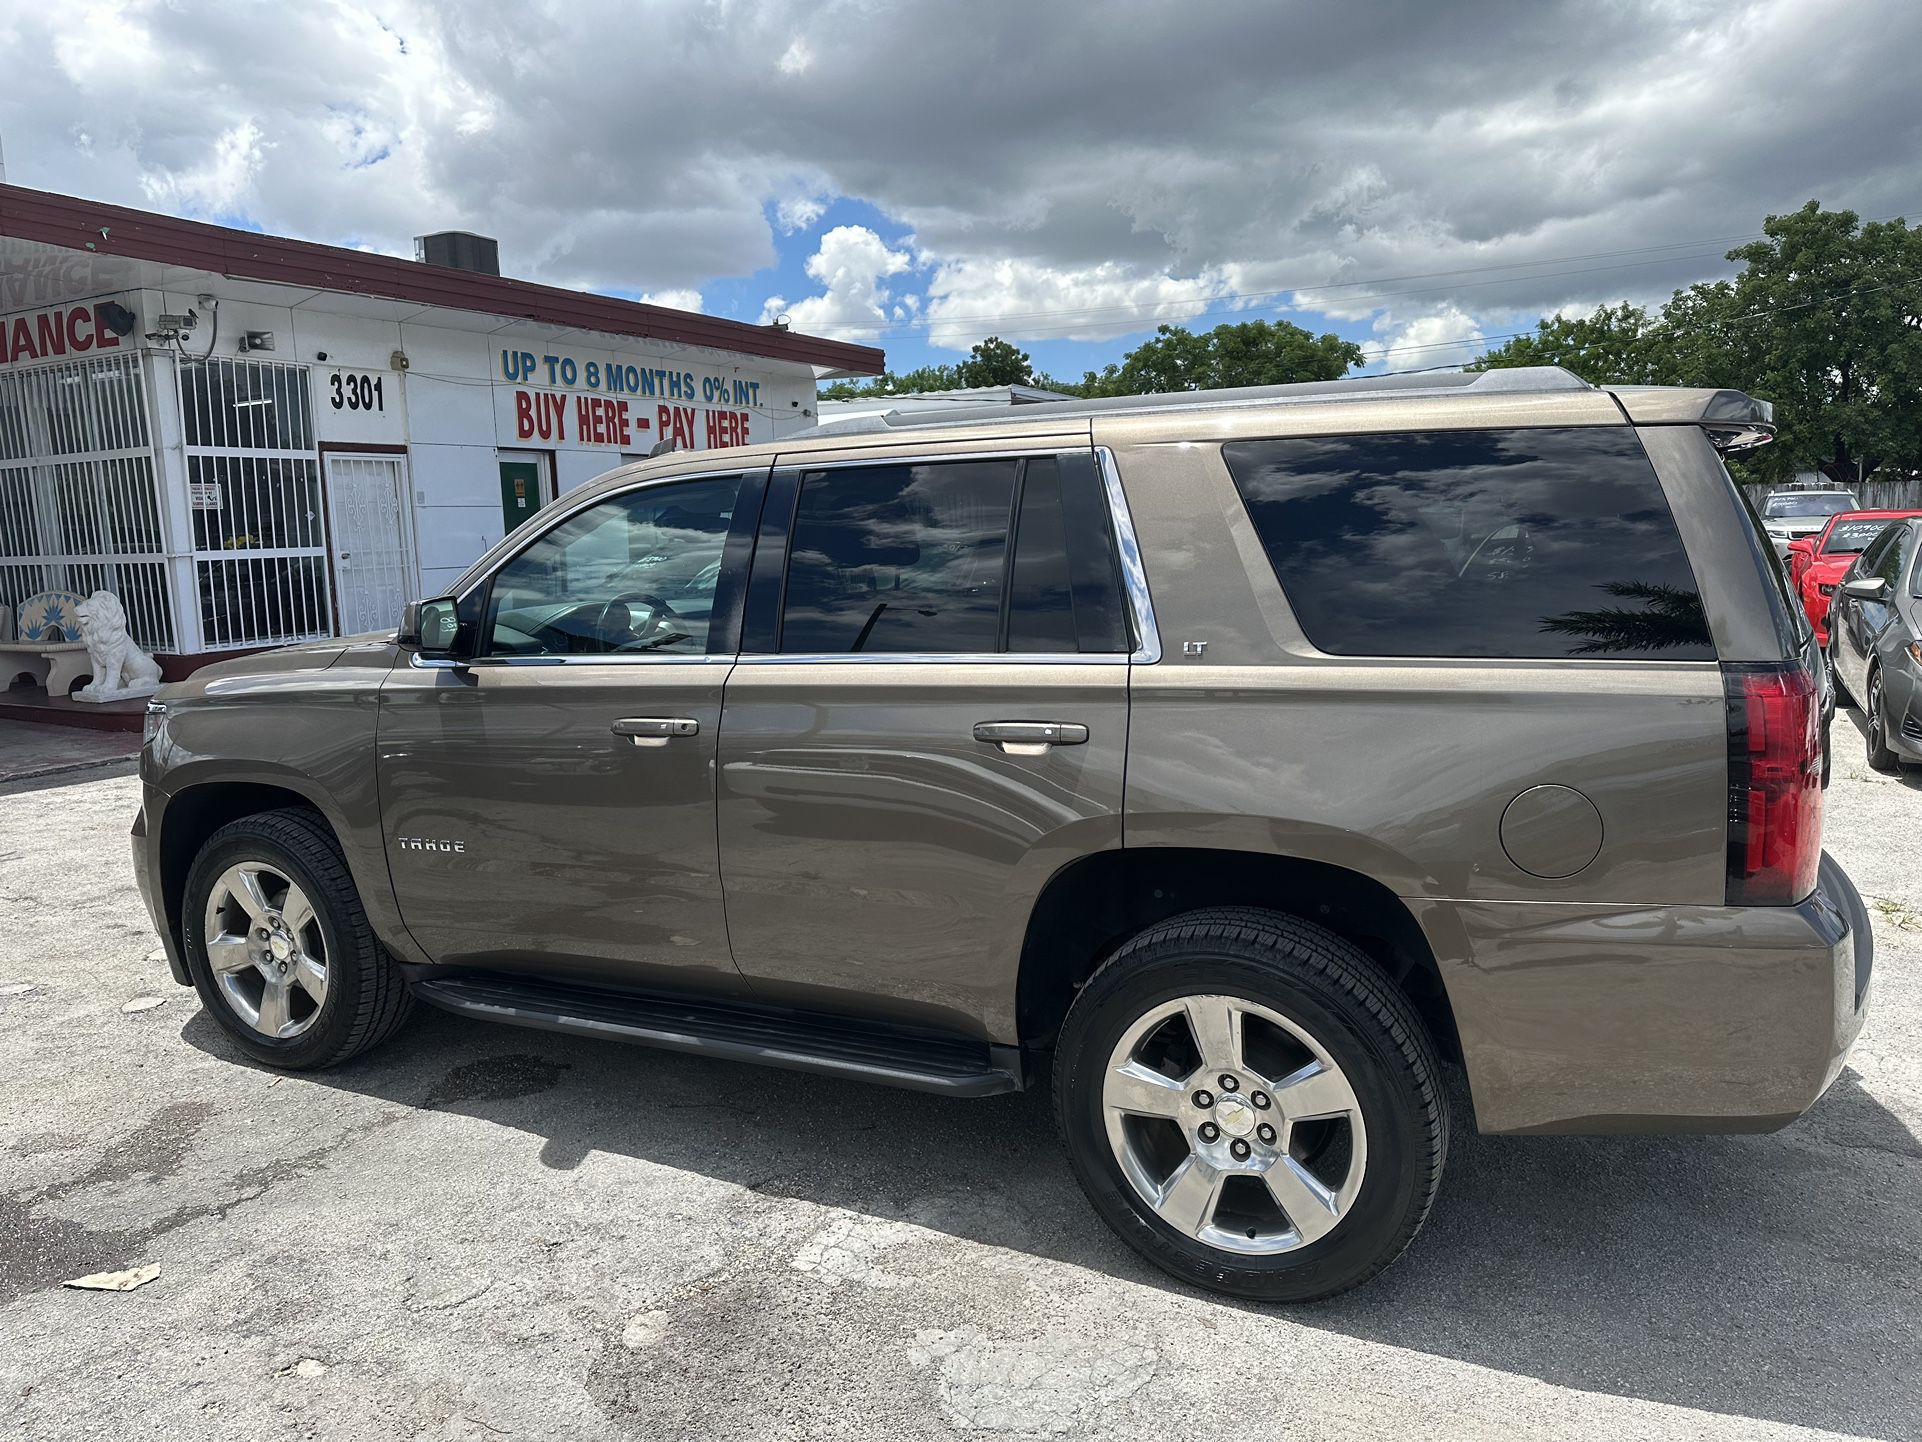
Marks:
<point>1733,421</point>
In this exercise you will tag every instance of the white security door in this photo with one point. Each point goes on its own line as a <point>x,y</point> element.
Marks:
<point>374,574</point>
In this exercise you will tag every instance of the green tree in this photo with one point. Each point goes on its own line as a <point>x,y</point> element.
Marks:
<point>1245,353</point>
<point>1824,321</point>
<point>914,382</point>
<point>1616,345</point>
<point>993,362</point>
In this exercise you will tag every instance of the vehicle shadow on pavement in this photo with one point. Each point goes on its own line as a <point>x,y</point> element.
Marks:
<point>13,785</point>
<point>1773,1277</point>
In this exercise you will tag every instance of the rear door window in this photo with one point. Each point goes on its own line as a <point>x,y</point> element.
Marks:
<point>952,558</point>
<point>1535,544</point>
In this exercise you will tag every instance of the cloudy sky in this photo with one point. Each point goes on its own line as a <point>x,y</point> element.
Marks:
<point>1417,176</point>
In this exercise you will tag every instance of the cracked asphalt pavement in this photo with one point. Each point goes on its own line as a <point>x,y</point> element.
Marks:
<point>480,1232</point>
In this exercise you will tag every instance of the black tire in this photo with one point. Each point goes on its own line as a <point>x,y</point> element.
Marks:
<point>1875,712</point>
<point>1331,989</point>
<point>366,998</point>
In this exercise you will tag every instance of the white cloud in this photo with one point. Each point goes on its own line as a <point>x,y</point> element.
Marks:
<point>970,299</point>
<point>674,299</point>
<point>799,212</point>
<point>797,59</point>
<point>852,265</point>
<point>220,182</point>
<point>1448,337</point>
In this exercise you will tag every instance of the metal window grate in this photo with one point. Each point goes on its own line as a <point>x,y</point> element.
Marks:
<point>253,482</point>
<point>79,504</point>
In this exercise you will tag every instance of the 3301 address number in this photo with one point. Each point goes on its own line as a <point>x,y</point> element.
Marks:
<point>358,392</point>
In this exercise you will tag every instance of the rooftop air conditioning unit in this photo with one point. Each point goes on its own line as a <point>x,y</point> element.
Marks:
<point>459,250</point>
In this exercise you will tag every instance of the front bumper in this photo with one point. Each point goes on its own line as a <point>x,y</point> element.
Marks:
<point>1579,1018</point>
<point>1902,695</point>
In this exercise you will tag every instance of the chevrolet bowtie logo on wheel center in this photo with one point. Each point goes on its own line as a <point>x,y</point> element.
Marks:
<point>1234,1116</point>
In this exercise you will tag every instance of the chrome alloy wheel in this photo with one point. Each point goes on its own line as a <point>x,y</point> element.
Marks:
<point>1234,1125</point>
<point>266,949</point>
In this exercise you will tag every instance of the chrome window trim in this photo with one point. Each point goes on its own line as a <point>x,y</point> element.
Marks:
<point>1134,576</point>
<point>481,662</point>
<point>935,658</point>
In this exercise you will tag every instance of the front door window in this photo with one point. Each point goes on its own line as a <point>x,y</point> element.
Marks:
<point>634,575</point>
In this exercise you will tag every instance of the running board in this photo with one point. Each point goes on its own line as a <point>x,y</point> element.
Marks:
<point>736,1031</point>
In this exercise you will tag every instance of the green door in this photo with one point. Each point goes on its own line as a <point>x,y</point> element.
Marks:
<point>520,492</point>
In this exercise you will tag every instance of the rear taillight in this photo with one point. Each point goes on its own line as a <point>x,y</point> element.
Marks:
<point>1774,784</point>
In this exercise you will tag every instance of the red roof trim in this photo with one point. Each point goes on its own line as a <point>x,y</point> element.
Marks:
<point>73,224</point>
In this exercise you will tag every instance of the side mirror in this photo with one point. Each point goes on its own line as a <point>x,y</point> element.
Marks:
<point>1865,588</point>
<point>430,627</point>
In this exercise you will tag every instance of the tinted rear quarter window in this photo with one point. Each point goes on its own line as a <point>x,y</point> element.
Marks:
<point>1516,543</point>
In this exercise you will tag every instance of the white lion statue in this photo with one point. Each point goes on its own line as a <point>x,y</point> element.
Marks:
<point>121,670</point>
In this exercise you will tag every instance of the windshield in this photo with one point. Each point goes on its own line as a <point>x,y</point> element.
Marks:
<point>1814,503</point>
<point>1848,537</point>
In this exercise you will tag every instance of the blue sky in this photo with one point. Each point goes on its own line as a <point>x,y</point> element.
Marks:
<point>907,344</point>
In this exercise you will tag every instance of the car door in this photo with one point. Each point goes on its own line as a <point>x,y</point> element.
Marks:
<point>928,718</point>
<point>549,804</point>
<point>1854,620</point>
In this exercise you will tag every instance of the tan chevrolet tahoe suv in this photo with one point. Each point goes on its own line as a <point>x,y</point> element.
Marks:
<point>1227,761</point>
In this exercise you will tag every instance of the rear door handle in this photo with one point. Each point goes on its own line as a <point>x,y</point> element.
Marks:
<point>655,730</point>
<point>1030,738</point>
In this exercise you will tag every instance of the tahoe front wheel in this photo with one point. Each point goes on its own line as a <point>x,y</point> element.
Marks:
<point>280,948</point>
<point>1252,1105</point>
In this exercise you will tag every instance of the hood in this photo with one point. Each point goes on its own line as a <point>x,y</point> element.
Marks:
<point>306,656</point>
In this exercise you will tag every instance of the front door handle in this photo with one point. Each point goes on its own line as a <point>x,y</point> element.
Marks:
<point>1030,738</point>
<point>655,730</point>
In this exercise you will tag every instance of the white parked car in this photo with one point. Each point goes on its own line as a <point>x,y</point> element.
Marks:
<point>1790,515</point>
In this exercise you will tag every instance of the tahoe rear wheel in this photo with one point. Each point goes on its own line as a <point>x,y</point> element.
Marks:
<point>279,946</point>
<point>1252,1105</point>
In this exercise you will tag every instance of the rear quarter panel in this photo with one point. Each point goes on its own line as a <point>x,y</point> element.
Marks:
<point>1402,770</point>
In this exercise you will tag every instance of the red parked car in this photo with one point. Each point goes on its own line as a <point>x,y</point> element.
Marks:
<point>1816,563</point>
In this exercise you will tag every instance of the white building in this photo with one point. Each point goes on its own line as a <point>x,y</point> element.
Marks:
<point>254,440</point>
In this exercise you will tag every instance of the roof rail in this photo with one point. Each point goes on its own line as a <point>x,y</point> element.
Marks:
<point>1510,379</point>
